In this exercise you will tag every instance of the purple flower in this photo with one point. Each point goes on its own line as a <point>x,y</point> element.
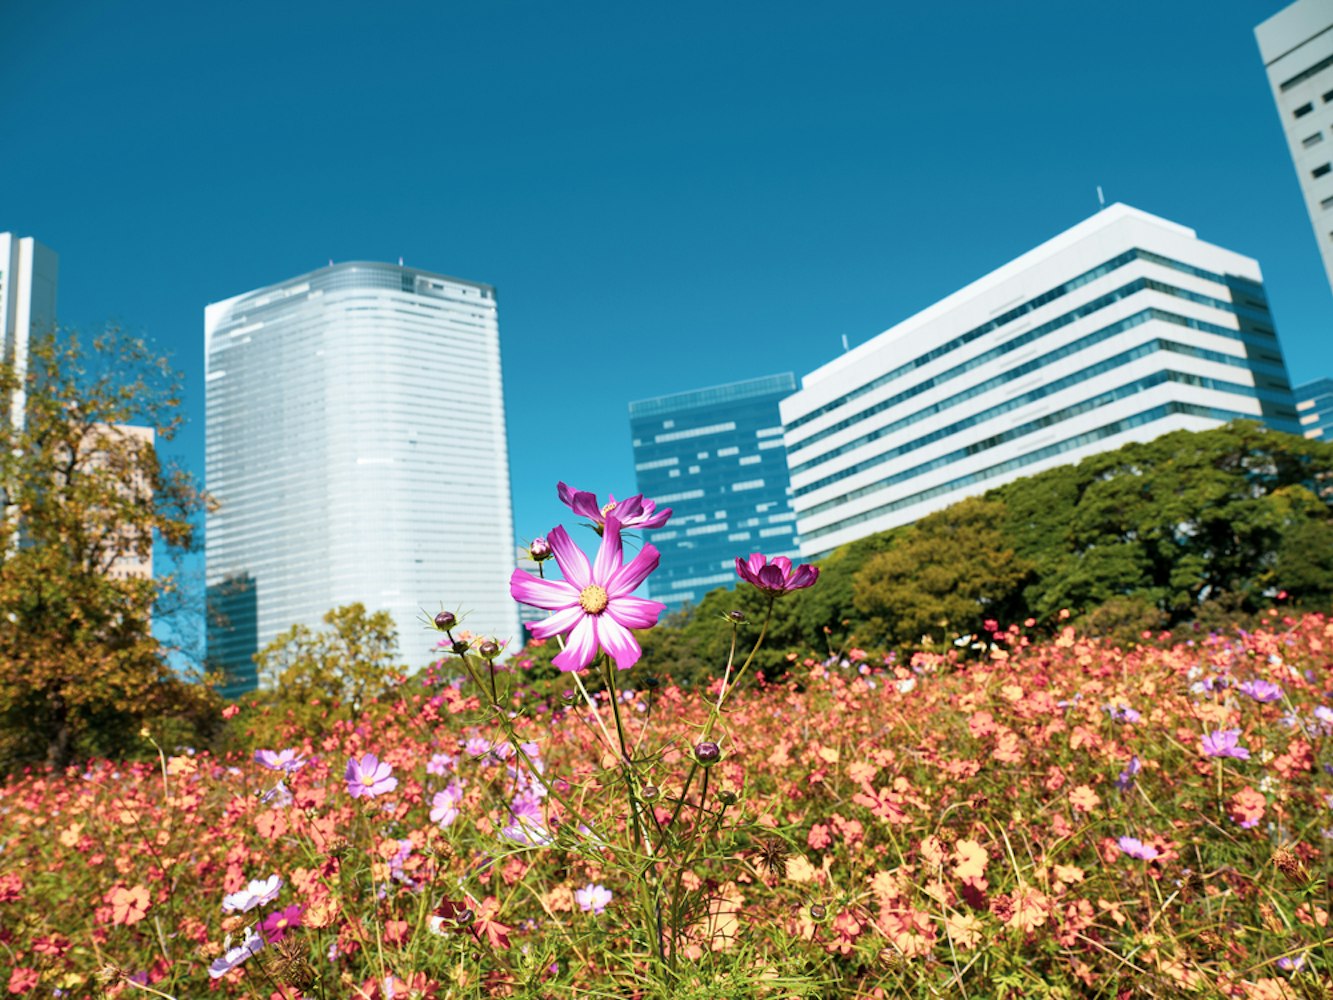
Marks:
<point>252,944</point>
<point>257,893</point>
<point>634,512</point>
<point>1122,713</point>
<point>1128,774</point>
<point>285,760</point>
<point>369,776</point>
<point>593,604</point>
<point>526,825</point>
<point>439,763</point>
<point>478,747</point>
<point>278,796</point>
<point>444,806</point>
<point>777,577</point>
<point>1224,743</point>
<point>276,925</point>
<point>1261,691</point>
<point>1136,848</point>
<point>594,898</point>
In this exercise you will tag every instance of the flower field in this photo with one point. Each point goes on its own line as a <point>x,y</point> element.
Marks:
<point>1036,818</point>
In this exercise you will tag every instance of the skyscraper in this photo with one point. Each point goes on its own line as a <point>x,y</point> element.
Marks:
<point>1314,403</point>
<point>1120,329</point>
<point>356,444</point>
<point>1296,44</point>
<point>715,457</point>
<point>28,274</point>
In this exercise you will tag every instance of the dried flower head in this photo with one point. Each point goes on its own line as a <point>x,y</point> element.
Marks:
<point>1292,867</point>
<point>772,855</point>
<point>291,966</point>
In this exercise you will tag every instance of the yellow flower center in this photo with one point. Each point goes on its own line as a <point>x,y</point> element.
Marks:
<point>608,508</point>
<point>593,599</point>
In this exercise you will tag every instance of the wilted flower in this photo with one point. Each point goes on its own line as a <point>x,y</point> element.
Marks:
<point>592,603</point>
<point>1136,848</point>
<point>777,577</point>
<point>594,898</point>
<point>1224,743</point>
<point>257,893</point>
<point>633,512</point>
<point>288,761</point>
<point>369,776</point>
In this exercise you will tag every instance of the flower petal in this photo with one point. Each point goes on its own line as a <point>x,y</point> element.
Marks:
<point>580,647</point>
<point>561,621</point>
<point>633,573</point>
<point>635,612</point>
<point>611,554</point>
<point>570,558</point>
<point>617,640</point>
<point>580,502</point>
<point>549,594</point>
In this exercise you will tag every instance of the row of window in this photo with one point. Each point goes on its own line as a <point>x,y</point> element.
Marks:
<point>1030,458</point>
<point>1009,346</point>
<point>1059,291</point>
<point>1308,106</point>
<point>1017,402</point>
<point>1023,430</point>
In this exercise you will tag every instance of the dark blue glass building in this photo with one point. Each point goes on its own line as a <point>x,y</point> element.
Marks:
<point>716,457</point>
<point>1314,407</point>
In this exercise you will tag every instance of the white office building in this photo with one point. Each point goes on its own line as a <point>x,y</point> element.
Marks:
<point>356,445</point>
<point>1296,44</point>
<point>1120,329</point>
<point>28,273</point>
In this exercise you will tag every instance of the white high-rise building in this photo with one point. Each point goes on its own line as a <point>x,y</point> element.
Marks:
<point>1120,329</point>
<point>1296,44</point>
<point>356,445</point>
<point>28,273</point>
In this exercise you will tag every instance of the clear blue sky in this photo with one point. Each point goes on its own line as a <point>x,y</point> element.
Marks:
<point>667,196</point>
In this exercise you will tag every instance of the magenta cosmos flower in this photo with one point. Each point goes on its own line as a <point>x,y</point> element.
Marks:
<point>592,604</point>
<point>777,577</point>
<point>369,776</point>
<point>1224,743</point>
<point>634,512</point>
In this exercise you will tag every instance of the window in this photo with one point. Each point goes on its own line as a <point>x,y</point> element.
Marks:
<point>1304,75</point>
<point>1303,110</point>
<point>1322,169</point>
<point>1327,202</point>
<point>1312,140</point>
<point>1328,96</point>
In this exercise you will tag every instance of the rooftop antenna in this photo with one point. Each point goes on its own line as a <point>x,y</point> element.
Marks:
<point>1101,198</point>
<point>845,347</point>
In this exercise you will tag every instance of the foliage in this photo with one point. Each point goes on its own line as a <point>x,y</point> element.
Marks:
<point>1046,822</point>
<point>310,677</point>
<point>80,667</point>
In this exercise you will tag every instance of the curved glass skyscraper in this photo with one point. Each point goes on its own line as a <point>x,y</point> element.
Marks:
<point>356,445</point>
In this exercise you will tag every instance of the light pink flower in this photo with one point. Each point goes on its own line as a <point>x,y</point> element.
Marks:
<point>592,604</point>
<point>632,512</point>
<point>369,776</point>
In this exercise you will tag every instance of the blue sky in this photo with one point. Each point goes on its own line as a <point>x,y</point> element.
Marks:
<point>666,196</point>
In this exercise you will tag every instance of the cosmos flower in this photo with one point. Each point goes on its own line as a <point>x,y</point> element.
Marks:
<point>1260,690</point>
<point>593,604</point>
<point>288,761</point>
<point>633,512</point>
<point>369,776</point>
<point>257,893</point>
<point>1136,848</point>
<point>777,577</point>
<point>1224,743</point>
<point>1127,776</point>
<point>233,957</point>
<point>276,925</point>
<point>593,898</point>
<point>444,806</point>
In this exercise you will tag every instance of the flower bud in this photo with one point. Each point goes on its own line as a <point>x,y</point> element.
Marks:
<point>446,620</point>
<point>651,683</point>
<point>489,648</point>
<point>460,647</point>
<point>539,550</point>
<point>818,911</point>
<point>650,793</point>
<point>736,616</point>
<point>707,753</point>
<point>727,797</point>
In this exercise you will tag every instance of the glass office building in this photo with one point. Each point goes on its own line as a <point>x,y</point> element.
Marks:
<point>356,445</point>
<point>1120,329</point>
<point>1314,404</point>
<point>715,456</point>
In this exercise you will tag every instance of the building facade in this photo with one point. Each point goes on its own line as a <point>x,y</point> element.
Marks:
<point>356,445</point>
<point>1296,45</point>
<point>1120,329</point>
<point>714,456</point>
<point>28,273</point>
<point>1314,404</point>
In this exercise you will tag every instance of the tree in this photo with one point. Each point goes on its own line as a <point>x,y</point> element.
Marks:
<point>81,670</point>
<point>340,668</point>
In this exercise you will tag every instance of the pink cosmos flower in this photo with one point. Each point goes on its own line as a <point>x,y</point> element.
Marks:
<point>1136,848</point>
<point>284,760</point>
<point>777,577</point>
<point>593,898</point>
<point>1224,743</point>
<point>369,776</point>
<point>593,603</point>
<point>257,893</point>
<point>634,512</point>
<point>233,957</point>
<point>276,925</point>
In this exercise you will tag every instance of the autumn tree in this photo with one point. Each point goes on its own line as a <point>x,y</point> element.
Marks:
<point>84,501</point>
